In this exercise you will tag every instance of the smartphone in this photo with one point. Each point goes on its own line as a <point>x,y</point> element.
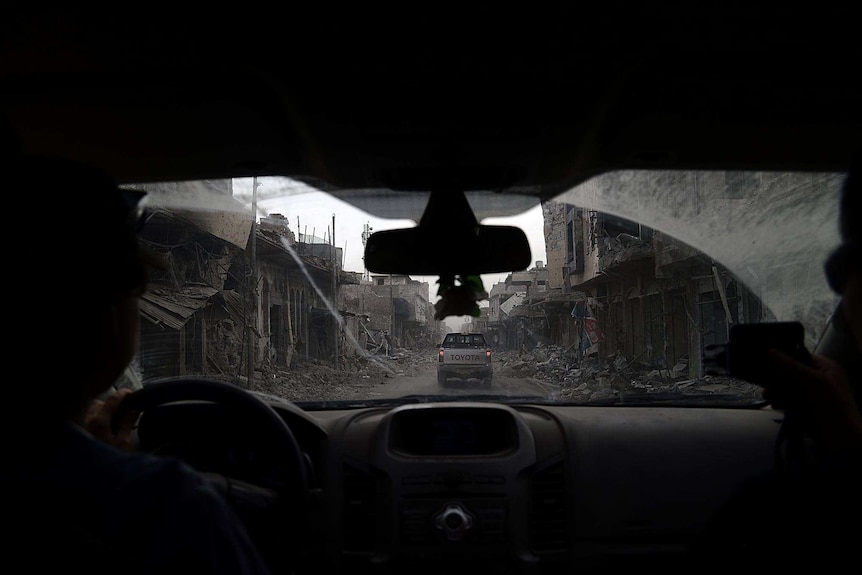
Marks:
<point>750,342</point>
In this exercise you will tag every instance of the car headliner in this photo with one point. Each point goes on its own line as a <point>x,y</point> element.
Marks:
<point>531,107</point>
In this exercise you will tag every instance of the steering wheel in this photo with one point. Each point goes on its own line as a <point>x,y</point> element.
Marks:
<point>284,509</point>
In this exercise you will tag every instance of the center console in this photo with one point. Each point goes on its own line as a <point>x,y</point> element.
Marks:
<point>451,475</point>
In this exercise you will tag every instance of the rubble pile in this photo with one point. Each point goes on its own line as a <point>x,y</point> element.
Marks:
<point>596,378</point>
<point>316,380</point>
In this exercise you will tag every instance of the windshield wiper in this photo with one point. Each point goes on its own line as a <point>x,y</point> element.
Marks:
<point>672,399</point>
<point>484,397</point>
<point>324,405</point>
<point>663,399</point>
<point>418,399</point>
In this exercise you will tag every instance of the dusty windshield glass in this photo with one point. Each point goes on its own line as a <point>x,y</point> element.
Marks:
<point>636,277</point>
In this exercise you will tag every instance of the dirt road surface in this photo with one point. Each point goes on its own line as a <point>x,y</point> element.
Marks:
<point>425,383</point>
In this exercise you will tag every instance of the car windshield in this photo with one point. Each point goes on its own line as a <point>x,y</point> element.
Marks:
<point>637,278</point>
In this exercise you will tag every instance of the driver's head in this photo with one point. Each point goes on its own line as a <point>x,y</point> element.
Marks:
<point>88,277</point>
<point>97,225</point>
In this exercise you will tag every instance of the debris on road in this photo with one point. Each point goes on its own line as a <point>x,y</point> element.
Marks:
<point>596,378</point>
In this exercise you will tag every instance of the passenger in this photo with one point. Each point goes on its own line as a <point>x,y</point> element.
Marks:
<point>829,391</point>
<point>806,514</point>
<point>74,501</point>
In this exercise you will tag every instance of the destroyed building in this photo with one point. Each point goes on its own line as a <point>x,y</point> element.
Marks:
<point>510,325</point>
<point>393,305</point>
<point>229,295</point>
<point>615,292</point>
<point>619,289</point>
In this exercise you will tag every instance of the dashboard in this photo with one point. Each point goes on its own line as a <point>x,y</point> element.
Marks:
<point>464,487</point>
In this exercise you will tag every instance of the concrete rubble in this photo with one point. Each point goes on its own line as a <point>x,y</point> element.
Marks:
<point>551,366</point>
<point>614,376</point>
<point>315,379</point>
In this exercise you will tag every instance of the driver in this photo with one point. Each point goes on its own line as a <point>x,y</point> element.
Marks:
<point>74,500</point>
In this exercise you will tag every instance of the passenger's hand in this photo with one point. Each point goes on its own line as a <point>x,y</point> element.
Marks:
<point>822,392</point>
<point>97,421</point>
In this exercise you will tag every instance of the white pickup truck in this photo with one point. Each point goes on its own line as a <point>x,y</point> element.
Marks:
<point>464,356</point>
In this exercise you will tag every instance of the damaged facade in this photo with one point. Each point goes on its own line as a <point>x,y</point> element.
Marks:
<point>628,291</point>
<point>621,291</point>
<point>511,324</point>
<point>395,306</point>
<point>234,289</point>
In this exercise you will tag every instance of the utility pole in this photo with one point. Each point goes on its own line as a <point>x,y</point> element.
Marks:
<point>334,290</point>
<point>252,288</point>
<point>366,233</point>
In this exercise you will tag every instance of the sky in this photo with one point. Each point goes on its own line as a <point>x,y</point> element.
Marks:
<point>312,211</point>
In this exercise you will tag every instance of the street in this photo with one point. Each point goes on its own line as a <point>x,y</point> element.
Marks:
<point>408,372</point>
<point>425,383</point>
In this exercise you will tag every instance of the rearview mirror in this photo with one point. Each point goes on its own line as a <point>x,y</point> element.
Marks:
<point>448,242</point>
<point>430,251</point>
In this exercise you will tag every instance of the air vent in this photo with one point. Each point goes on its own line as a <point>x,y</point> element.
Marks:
<point>360,498</point>
<point>548,533</point>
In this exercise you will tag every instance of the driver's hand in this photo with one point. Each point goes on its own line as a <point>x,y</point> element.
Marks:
<point>97,421</point>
